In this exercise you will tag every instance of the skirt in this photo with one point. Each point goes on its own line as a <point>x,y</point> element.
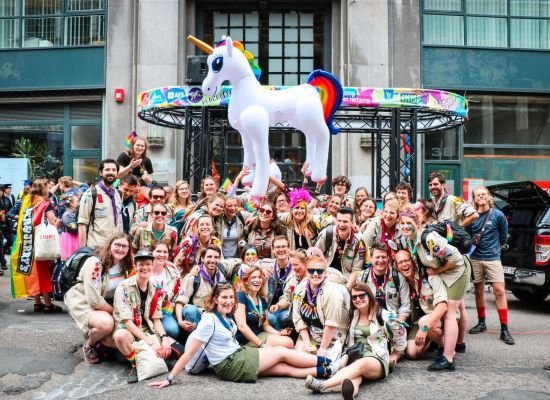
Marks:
<point>69,244</point>
<point>241,366</point>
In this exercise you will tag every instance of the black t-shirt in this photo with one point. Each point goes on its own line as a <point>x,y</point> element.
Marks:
<point>143,298</point>
<point>337,260</point>
<point>146,165</point>
<point>300,241</point>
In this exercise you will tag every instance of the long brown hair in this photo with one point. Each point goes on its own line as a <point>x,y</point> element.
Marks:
<point>131,149</point>
<point>210,305</point>
<point>175,199</point>
<point>38,188</point>
<point>372,309</point>
<point>245,281</point>
<point>106,258</point>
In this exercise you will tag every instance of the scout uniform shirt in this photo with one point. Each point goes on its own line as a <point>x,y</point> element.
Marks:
<point>128,306</point>
<point>352,258</point>
<point>452,208</point>
<point>103,226</point>
<point>144,238</point>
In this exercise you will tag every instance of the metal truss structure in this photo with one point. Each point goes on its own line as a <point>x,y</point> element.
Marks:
<point>393,134</point>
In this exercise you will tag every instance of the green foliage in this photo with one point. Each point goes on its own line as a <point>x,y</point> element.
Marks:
<point>35,153</point>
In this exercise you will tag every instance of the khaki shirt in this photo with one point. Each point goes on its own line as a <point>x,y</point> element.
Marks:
<point>143,238</point>
<point>104,219</point>
<point>172,288</point>
<point>332,307</point>
<point>128,302</point>
<point>143,214</point>
<point>373,233</point>
<point>352,260</point>
<point>452,208</point>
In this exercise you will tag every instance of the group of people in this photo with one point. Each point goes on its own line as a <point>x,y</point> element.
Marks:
<point>322,287</point>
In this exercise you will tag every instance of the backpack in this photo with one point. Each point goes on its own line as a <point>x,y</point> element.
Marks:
<point>197,282</point>
<point>68,275</point>
<point>458,236</point>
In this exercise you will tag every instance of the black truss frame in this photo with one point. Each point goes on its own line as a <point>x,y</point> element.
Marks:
<point>206,129</point>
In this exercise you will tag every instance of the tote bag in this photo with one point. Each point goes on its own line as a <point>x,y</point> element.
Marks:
<point>46,243</point>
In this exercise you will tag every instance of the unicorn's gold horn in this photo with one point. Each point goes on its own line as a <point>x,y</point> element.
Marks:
<point>200,44</point>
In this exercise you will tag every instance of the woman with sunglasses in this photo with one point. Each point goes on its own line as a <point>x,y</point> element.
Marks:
<point>213,205</point>
<point>443,262</point>
<point>192,246</point>
<point>264,229</point>
<point>369,333</point>
<point>251,313</point>
<point>90,301</point>
<point>320,310</point>
<point>180,202</point>
<point>156,231</point>
<point>216,332</point>
<point>300,228</point>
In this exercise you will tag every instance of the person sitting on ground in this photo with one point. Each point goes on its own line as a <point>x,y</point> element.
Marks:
<point>231,362</point>
<point>369,333</point>
<point>90,301</point>
<point>136,315</point>
<point>251,314</point>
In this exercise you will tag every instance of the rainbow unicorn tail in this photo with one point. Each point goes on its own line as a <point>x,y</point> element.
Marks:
<point>331,93</point>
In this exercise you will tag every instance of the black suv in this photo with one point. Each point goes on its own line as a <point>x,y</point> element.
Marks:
<point>526,257</point>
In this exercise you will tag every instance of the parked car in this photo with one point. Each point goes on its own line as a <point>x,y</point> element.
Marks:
<point>526,257</point>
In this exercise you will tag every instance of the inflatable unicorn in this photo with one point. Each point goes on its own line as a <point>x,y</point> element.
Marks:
<point>309,107</point>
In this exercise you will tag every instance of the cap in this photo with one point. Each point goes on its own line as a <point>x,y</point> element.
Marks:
<point>27,182</point>
<point>144,254</point>
<point>7,185</point>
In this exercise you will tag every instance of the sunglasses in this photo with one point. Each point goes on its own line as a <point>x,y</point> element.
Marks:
<point>265,211</point>
<point>157,197</point>
<point>163,213</point>
<point>358,296</point>
<point>313,271</point>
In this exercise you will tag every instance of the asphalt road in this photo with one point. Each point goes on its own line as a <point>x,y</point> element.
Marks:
<point>41,358</point>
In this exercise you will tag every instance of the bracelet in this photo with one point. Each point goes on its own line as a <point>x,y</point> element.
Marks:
<point>170,378</point>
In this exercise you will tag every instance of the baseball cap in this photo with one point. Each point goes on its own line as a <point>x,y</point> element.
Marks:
<point>144,254</point>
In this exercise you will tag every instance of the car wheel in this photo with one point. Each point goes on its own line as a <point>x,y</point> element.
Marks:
<point>538,296</point>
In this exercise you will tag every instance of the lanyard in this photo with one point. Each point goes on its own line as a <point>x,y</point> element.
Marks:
<point>224,322</point>
<point>380,288</point>
<point>258,310</point>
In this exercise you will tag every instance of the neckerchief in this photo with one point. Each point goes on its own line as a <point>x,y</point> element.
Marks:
<point>280,280</point>
<point>380,288</point>
<point>207,277</point>
<point>226,325</point>
<point>259,311</point>
<point>312,298</point>
<point>230,224</point>
<point>348,242</point>
<point>111,193</point>
<point>440,205</point>
<point>385,232</point>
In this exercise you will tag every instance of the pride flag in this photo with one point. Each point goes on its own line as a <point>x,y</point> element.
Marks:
<point>128,140</point>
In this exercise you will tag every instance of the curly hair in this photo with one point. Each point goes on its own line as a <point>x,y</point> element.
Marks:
<point>106,257</point>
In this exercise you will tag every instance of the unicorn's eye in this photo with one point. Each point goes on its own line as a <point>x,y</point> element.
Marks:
<point>217,64</point>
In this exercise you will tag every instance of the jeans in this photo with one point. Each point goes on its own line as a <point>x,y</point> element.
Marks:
<point>189,313</point>
<point>277,319</point>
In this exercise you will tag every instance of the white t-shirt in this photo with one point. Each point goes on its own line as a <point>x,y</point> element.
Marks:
<point>159,280</point>
<point>223,342</point>
<point>115,277</point>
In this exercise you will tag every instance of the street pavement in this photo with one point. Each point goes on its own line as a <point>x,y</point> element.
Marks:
<point>41,358</point>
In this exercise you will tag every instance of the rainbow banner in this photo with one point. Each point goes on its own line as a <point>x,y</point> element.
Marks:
<point>128,140</point>
<point>427,99</point>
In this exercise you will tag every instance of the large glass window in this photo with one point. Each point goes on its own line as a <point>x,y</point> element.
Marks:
<point>48,23</point>
<point>522,24</point>
<point>507,138</point>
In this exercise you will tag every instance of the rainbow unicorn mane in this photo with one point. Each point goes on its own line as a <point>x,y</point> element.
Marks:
<point>249,57</point>
<point>331,93</point>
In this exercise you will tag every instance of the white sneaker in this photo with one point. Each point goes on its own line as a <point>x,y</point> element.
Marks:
<point>335,352</point>
<point>314,384</point>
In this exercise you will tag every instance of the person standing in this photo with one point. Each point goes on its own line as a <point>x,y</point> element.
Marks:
<point>447,206</point>
<point>490,233</point>
<point>127,188</point>
<point>5,230</point>
<point>99,214</point>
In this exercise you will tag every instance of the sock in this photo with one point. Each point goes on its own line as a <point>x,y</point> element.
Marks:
<point>503,316</point>
<point>132,358</point>
<point>323,361</point>
<point>481,314</point>
<point>323,372</point>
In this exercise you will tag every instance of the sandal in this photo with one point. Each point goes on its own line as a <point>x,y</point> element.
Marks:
<point>52,309</point>
<point>39,307</point>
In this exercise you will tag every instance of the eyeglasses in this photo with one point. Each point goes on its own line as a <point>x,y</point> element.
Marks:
<point>121,246</point>
<point>358,296</point>
<point>403,261</point>
<point>318,271</point>
<point>265,211</point>
<point>163,213</point>
<point>158,197</point>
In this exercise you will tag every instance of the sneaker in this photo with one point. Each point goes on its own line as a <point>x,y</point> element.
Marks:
<point>480,327</point>
<point>438,354</point>
<point>336,351</point>
<point>314,384</point>
<point>337,364</point>
<point>441,365</point>
<point>347,389</point>
<point>90,354</point>
<point>460,348</point>
<point>133,378</point>
<point>506,337</point>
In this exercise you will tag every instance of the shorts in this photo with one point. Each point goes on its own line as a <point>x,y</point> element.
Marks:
<point>491,269</point>
<point>458,289</point>
<point>241,366</point>
<point>262,336</point>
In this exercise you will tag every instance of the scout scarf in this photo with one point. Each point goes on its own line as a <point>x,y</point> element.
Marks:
<point>380,294</point>
<point>308,308</point>
<point>347,244</point>
<point>280,280</point>
<point>259,310</point>
<point>111,193</point>
<point>227,325</point>
<point>207,277</point>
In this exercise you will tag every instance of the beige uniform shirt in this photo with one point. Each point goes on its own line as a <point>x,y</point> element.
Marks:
<point>353,258</point>
<point>104,218</point>
<point>452,208</point>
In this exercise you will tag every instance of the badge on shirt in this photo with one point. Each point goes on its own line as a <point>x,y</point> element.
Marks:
<point>99,198</point>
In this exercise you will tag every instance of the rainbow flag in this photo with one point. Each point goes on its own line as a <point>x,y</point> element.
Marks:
<point>128,140</point>
<point>226,184</point>
<point>250,206</point>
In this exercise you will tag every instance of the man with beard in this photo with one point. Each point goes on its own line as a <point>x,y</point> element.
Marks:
<point>387,284</point>
<point>447,206</point>
<point>99,215</point>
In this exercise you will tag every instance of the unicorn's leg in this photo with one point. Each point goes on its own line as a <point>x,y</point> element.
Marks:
<point>254,121</point>
<point>312,123</point>
<point>249,159</point>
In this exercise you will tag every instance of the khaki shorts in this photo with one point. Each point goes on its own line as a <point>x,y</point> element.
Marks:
<point>491,269</point>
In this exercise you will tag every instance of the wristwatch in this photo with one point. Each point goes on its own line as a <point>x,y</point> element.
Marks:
<point>170,378</point>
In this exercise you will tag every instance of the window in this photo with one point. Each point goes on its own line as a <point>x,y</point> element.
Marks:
<point>51,23</point>
<point>519,24</point>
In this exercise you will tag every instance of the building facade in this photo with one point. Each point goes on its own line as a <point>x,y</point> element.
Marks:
<point>62,60</point>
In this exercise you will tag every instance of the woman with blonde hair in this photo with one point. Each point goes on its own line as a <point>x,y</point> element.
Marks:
<point>180,203</point>
<point>301,230</point>
<point>135,161</point>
